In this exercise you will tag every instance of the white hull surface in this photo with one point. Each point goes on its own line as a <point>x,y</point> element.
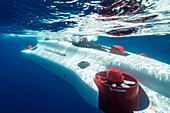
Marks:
<point>62,58</point>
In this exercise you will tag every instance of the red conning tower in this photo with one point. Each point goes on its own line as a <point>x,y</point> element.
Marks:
<point>118,92</point>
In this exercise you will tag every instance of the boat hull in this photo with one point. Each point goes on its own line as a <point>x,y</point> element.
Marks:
<point>65,61</point>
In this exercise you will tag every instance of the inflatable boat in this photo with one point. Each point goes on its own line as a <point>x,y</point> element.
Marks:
<point>106,78</point>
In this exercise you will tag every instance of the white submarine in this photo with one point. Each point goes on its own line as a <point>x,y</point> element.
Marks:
<point>105,78</point>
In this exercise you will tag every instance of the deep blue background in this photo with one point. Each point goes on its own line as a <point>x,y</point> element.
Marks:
<point>26,88</point>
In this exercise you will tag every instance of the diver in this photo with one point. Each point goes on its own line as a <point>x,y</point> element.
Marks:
<point>28,45</point>
<point>83,42</point>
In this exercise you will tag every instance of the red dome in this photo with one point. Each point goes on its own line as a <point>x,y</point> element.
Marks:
<point>114,75</point>
<point>29,46</point>
<point>118,49</point>
<point>143,54</point>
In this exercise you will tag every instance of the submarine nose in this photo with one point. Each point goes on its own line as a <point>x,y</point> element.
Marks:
<point>26,54</point>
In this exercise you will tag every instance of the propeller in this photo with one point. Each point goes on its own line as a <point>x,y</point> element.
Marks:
<point>125,84</point>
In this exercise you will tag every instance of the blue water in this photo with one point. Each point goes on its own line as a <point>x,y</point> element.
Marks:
<point>27,88</point>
